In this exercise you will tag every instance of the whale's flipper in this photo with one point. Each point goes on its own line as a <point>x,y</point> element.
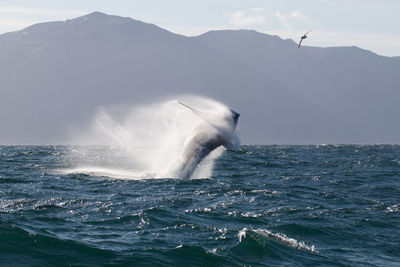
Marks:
<point>192,109</point>
<point>203,116</point>
<point>195,111</point>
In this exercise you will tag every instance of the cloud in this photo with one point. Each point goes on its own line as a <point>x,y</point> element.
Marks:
<point>283,19</point>
<point>287,19</point>
<point>248,17</point>
<point>297,15</point>
<point>24,10</point>
<point>258,16</point>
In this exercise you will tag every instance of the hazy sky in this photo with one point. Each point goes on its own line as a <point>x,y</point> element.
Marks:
<point>369,24</point>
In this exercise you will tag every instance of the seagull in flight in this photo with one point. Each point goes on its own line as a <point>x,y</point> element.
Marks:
<point>303,37</point>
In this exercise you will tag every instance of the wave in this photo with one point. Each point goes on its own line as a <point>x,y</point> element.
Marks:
<point>260,247</point>
<point>20,246</point>
<point>262,236</point>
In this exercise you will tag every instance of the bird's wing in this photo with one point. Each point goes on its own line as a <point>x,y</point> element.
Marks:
<point>308,32</point>
<point>300,42</point>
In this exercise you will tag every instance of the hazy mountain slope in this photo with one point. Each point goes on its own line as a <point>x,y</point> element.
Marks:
<point>53,76</point>
<point>353,85</point>
<point>58,73</point>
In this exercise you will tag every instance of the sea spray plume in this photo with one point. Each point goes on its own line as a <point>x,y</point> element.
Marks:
<point>149,141</point>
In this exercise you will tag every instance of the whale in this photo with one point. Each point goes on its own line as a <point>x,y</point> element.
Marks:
<point>212,133</point>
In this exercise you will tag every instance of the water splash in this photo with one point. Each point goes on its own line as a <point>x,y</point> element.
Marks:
<point>147,141</point>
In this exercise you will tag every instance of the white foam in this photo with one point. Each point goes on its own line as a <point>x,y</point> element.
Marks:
<point>393,208</point>
<point>108,172</point>
<point>242,234</point>
<point>278,237</point>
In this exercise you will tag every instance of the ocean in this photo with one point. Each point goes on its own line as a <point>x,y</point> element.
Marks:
<point>312,205</point>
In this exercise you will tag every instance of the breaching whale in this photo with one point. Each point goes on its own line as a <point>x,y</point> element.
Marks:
<point>211,134</point>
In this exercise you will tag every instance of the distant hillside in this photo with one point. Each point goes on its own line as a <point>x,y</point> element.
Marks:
<point>356,87</point>
<point>54,75</point>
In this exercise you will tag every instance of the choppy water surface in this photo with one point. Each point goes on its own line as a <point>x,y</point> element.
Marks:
<point>263,206</point>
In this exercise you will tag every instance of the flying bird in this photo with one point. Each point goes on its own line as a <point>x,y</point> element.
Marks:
<point>303,37</point>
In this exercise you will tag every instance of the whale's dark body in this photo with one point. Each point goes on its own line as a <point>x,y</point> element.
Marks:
<point>205,139</point>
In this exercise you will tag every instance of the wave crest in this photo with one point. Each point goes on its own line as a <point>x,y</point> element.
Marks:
<point>262,235</point>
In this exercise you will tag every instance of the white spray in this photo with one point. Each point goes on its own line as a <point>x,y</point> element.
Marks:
<point>148,141</point>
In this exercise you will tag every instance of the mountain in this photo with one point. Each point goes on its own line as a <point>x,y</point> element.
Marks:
<point>54,75</point>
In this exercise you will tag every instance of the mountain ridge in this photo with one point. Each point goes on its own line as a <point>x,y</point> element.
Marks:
<point>55,75</point>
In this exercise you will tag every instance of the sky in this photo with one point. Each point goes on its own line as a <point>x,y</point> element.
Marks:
<point>370,24</point>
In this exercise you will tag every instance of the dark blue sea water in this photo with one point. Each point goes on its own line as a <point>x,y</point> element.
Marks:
<point>263,206</point>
